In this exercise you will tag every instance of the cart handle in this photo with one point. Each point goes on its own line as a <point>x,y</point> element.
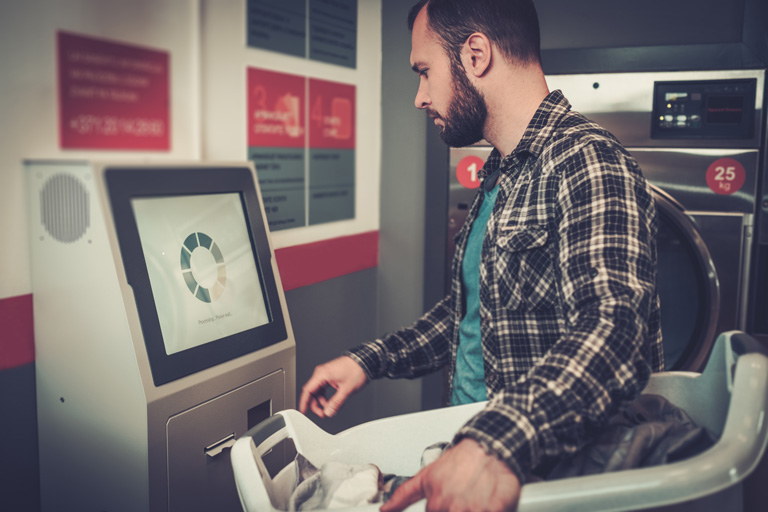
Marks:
<point>265,429</point>
<point>742,343</point>
<point>737,345</point>
<point>254,483</point>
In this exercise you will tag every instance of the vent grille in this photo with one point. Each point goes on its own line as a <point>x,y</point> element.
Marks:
<point>65,208</point>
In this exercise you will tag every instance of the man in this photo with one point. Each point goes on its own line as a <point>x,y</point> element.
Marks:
<point>553,314</point>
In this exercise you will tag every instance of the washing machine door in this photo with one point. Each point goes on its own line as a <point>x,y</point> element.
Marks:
<point>688,288</point>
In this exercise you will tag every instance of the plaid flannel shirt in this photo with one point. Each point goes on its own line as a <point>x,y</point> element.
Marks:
<point>568,302</point>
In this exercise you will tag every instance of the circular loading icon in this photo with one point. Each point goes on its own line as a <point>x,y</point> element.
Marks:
<point>208,265</point>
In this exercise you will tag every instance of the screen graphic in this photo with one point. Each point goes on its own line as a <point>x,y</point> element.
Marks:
<point>204,277</point>
<point>197,267</point>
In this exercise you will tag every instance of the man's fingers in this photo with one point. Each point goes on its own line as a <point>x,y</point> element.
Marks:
<point>304,401</point>
<point>317,404</point>
<point>342,374</point>
<point>332,405</point>
<point>324,407</point>
<point>311,390</point>
<point>408,493</point>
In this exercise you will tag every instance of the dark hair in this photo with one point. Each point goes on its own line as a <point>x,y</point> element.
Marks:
<point>512,25</point>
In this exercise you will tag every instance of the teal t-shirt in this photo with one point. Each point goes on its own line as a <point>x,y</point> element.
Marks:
<point>469,375</point>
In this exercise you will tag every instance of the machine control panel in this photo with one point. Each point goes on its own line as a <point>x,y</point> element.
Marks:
<point>722,109</point>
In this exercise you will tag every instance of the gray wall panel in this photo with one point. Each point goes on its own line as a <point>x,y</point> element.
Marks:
<point>327,318</point>
<point>403,169</point>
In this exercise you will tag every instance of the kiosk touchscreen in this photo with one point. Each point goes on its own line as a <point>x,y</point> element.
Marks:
<point>161,332</point>
<point>204,289</point>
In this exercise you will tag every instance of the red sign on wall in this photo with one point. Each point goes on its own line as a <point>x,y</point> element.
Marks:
<point>331,115</point>
<point>275,109</point>
<point>112,95</point>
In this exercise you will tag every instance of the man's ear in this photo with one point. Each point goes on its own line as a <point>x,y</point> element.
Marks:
<point>477,54</point>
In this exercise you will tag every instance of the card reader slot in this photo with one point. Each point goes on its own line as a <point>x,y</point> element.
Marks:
<point>215,449</point>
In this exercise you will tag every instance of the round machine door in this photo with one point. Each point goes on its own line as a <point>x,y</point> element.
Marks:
<point>688,288</point>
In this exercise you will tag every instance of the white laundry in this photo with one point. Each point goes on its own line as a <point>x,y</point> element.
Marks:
<point>335,485</point>
<point>338,485</point>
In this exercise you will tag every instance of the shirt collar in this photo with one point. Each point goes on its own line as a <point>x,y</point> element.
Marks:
<point>543,123</point>
<point>536,135</point>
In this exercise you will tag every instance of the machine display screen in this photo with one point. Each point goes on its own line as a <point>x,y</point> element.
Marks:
<point>705,109</point>
<point>195,250</point>
<point>204,278</point>
<point>725,109</point>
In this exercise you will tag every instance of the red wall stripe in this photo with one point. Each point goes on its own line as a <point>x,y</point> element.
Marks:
<point>302,265</point>
<point>299,265</point>
<point>17,339</point>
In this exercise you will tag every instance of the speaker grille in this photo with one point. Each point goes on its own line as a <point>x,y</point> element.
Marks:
<point>65,208</point>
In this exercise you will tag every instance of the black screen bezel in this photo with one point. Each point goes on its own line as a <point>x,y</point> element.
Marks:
<point>743,130</point>
<point>126,183</point>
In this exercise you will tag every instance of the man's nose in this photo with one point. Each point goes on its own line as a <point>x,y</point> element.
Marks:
<point>422,98</point>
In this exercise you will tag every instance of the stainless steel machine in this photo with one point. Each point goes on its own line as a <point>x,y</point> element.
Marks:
<point>699,138</point>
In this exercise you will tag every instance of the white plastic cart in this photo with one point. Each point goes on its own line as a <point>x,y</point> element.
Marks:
<point>730,398</point>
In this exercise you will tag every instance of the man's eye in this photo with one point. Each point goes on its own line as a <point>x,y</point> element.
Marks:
<point>423,73</point>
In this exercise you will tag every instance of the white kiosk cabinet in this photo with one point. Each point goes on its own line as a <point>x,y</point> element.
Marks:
<point>161,332</point>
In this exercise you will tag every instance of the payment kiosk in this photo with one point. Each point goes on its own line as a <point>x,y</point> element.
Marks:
<point>161,332</point>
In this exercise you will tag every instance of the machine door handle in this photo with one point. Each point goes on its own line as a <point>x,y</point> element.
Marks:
<point>219,446</point>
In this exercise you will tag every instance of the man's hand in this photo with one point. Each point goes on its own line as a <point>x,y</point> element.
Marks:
<point>342,374</point>
<point>463,478</point>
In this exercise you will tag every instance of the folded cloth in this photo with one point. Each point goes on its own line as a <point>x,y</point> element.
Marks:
<point>334,485</point>
<point>650,431</point>
<point>339,485</point>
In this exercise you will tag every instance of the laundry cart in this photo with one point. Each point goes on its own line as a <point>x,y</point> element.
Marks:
<point>730,398</point>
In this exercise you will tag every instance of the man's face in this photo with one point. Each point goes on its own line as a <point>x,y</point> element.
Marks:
<point>466,114</point>
<point>445,92</point>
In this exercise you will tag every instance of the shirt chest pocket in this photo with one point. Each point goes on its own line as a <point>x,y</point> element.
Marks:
<point>524,270</point>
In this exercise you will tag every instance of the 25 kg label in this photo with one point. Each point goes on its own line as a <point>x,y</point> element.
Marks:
<point>725,176</point>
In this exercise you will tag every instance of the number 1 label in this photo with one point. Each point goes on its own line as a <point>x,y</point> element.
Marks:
<point>467,169</point>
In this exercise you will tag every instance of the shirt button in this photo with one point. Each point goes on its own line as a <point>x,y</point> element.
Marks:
<point>593,272</point>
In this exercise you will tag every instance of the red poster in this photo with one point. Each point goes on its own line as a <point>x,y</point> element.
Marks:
<point>331,115</point>
<point>275,109</point>
<point>112,95</point>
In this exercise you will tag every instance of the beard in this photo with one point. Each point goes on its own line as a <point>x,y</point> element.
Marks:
<point>465,118</point>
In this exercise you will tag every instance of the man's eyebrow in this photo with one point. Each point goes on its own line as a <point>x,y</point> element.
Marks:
<point>416,67</point>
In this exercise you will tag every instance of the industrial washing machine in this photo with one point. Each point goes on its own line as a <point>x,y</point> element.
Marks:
<point>697,137</point>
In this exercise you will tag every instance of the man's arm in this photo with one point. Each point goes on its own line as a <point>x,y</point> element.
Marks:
<point>409,352</point>
<point>413,351</point>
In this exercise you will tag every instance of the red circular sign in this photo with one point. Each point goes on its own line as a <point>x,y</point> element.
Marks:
<point>725,176</point>
<point>467,169</point>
